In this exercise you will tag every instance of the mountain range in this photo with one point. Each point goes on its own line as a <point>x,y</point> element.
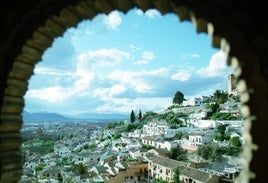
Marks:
<point>48,116</point>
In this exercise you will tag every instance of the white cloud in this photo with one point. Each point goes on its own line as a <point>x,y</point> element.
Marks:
<point>189,55</point>
<point>113,20</point>
<point>84,80</point>
<point>142,62</point>
<point>146,57</point>
<point>158,72</point>
<point>152,13</point>
<point>217,65</point>
<point>133,79</point>
<point>103,57</point>
<point>51,71</point>
<point>53,94</point>
<point>106,93</point>
<point>181,75</point>
<point>125,105</point>
<point>137,81</point>
<point>117,90</point>
<point>139,12</point>
<point>133,47</point>
<point>83,29</point>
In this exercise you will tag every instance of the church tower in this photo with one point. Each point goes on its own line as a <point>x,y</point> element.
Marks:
<point>230,84</point>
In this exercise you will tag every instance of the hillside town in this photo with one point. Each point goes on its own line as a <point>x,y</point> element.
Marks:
<point>198,141</point>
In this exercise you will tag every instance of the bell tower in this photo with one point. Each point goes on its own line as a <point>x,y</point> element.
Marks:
<point>230,85</point>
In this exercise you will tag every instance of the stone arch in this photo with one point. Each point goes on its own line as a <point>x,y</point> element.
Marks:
<point>233,27</point>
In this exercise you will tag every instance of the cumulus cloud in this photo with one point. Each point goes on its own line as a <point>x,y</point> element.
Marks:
<point>56,94</point>
<point>152,13</point>
<point>181,75</point>
<point>125,105</point>
<point>113,91</point>
<point>142,62</point>
<point>84,79</point>
<point>189,55</point>
<point>158,72</point>
<point>146,57</point>
<point>80,81</point>
<point>117,90</point>
<point>53,94</point>
<point>83,29</point>
<point>132,79</point>
<point>103,57</point>
<point>133,47</point>
<point>140,81</point>
<point>113,20</point>
<point>217,65</point>
<point>51,71</point>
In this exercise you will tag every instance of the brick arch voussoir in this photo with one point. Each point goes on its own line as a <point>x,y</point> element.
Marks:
<point>69,16</point>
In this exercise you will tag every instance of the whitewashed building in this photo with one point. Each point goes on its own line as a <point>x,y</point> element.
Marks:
<point>193,101</point>
<point>62,149</point>
<point>108,133</point>
<point>155,128</point>
<point>195,140</point>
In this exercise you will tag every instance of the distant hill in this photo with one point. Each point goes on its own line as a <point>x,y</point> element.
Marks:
<point>100,116</point>
<point>47,116</point>
<point>42,116</point>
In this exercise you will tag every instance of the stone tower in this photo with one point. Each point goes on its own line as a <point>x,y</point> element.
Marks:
<point>230,84</point>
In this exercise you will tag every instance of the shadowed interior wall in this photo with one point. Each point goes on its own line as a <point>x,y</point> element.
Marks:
<point>29,27</point>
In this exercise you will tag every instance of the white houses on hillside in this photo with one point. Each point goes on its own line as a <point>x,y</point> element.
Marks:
<point>163,168</point>
<point>193,102</point>
<point>161,127</point>
<point>155,128</point>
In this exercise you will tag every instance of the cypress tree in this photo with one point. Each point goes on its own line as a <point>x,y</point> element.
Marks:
<point>132,117</point>
<point>140,115</point>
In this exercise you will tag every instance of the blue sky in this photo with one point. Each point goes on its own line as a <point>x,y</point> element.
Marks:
<point>116,63</point>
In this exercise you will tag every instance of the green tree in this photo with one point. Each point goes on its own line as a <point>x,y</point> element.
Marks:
<point>130,127</point>
<point>214,107</point>
<point>80,169</point>
<point>112,125</point>
<point>220,134</point>
<point>39,132</point>
<point>117,136</point>
<point>69,180</point>
<point>155,180</point>
<point>220,96</point>
<point>173,153</point>
<point>140,115</point>
<point>178,98</point>
<point>132,117</point>
<point>176,176</point>
<point>233,151</point>
<point>235,141</point>
<point>178,154</point>
<point>205,152</point>
<point>86,146</point>
<point>40,167</point>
